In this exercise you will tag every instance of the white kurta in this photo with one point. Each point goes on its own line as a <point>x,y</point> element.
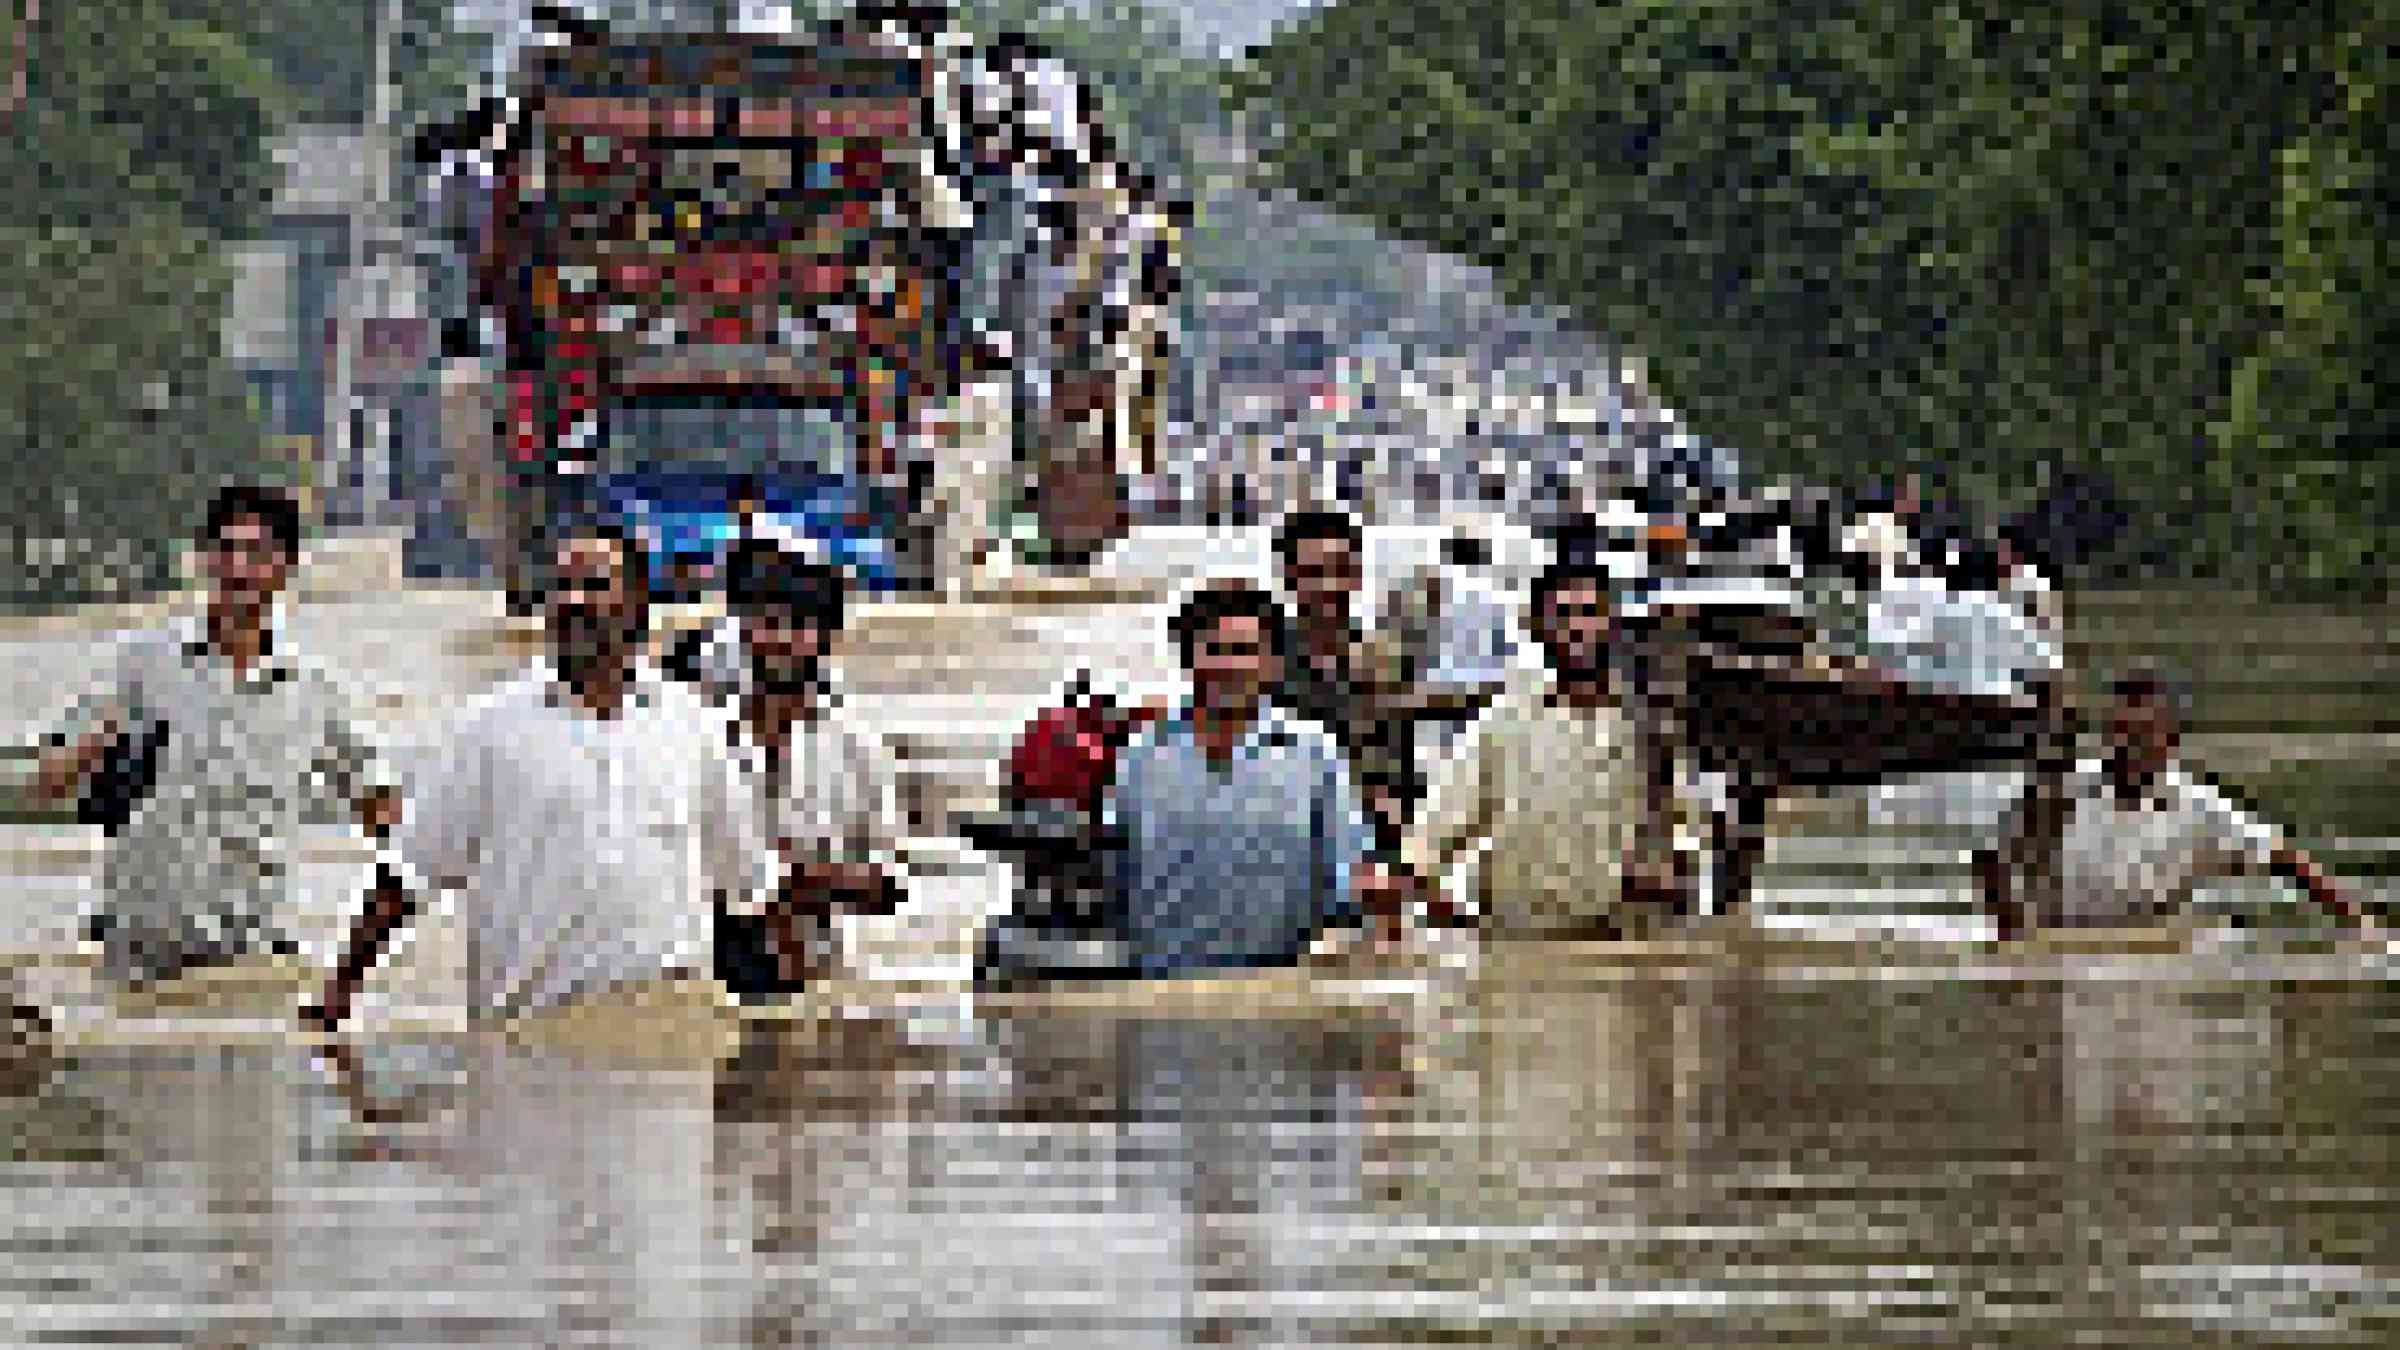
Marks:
<point>1970,642</point>
<point>1557,798</point>
<point>2120,863</point>
<point>834,799</point>
<point>588,848</point>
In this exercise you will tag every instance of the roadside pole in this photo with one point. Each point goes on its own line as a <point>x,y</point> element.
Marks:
<point>360,445</point>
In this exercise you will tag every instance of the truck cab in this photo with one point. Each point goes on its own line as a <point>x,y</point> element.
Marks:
<point>710,257</point>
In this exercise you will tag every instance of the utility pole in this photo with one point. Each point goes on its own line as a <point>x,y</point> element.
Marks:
<point>361,440</point>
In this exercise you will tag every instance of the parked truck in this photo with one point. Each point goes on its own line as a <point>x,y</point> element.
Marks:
<point>713,258</point>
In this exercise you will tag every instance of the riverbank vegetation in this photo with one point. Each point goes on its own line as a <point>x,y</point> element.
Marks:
<point>1861,237</point>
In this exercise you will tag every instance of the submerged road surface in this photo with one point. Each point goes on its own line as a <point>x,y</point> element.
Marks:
<point>2173,1149</point>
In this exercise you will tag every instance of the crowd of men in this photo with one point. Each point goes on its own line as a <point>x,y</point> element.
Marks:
<point>608,825</point>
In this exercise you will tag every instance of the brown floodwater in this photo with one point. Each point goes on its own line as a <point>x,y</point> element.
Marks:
<point>2164,1151</point>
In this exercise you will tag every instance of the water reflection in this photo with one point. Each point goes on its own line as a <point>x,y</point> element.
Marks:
<point>1712,1155</point>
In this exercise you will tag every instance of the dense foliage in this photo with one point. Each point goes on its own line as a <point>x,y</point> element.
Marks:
<point>1855,235</point>
<point>143,144</point>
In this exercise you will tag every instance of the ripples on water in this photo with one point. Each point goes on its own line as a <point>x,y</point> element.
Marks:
<point>1715,1158</point>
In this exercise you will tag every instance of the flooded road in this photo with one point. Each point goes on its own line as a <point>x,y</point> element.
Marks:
<point>2154,1152</point>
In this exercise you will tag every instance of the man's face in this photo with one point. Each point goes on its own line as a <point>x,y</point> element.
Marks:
<point>245,565</point>
<point>2142,735</point>
<point>1232,664</point>
<point>1574,627</point>
<point>1323,575</point>
<point>786,649</point>
<point>593,611</point>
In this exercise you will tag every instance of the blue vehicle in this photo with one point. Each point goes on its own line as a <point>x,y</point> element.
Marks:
<point>687,518</point>
<point>682,464</point>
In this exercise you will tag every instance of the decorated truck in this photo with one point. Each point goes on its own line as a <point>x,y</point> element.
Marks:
<point>882,274</point>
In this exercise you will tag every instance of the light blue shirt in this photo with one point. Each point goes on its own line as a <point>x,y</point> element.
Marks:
<point>1239,864</point>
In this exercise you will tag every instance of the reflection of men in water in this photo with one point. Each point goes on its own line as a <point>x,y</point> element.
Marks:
<point>824,785</point>
<point>1554,781</point>
<point>255,739</point>
<point>1242,836</point>
<point>587,809</point>
<point>2131,835</point>
<point>1338,676</point>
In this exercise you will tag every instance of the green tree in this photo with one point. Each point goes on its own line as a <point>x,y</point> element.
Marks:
<point>2311,420</point>
<point>322,52</point>
<point>1856,234</point>
<point>132,159</point>
<point>143,145</point>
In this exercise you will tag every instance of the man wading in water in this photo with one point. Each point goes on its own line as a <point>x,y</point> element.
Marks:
<point>587,811</point>
<point>823,785</point>
<point>1555,786</point>
<point>2127,838</point>
<point>1341,678</point>
<point>248,738</point>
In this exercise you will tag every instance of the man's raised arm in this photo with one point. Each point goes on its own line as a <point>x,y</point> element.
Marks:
<point>2297,867</point>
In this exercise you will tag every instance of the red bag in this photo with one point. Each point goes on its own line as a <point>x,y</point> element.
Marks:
<point>1068,753</point>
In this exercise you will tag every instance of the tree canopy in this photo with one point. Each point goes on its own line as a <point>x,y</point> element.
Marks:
<point>143,144</point>
<point>1855,235</point>
<point>131,159</point>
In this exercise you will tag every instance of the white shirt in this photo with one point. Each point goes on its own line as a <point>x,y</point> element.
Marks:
<point>2120,864</point>
<point>1479,635</point>
<point>1971,642</point>
<point>206,859</point>
<point>834,798</point>
<point>588,847</point>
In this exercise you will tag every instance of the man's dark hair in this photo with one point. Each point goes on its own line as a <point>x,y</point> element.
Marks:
<point>1558,576</point>
<point>763,577</point>
<point>2024,536</point>
<point>1214,604</point>
<point>1318,523</point>
<point>2149,686</point>
<point>1578,539</point>
<point>1466,550</point>
<point>271,507</point>
<point>914,14</point>
<point>1975,566</point>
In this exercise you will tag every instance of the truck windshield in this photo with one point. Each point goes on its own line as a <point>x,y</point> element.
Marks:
<point>768,438</point>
